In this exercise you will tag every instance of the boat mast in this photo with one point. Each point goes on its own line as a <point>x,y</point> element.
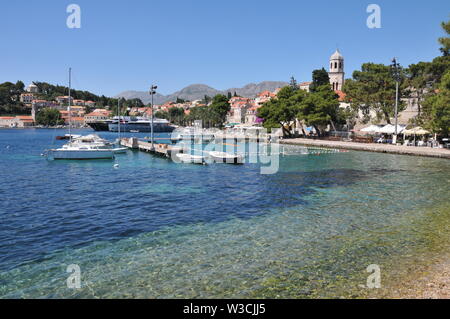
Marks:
<point>70,111</point>
<point>118,115</point>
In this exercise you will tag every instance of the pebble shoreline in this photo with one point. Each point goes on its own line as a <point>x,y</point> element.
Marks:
<point>433,282</point>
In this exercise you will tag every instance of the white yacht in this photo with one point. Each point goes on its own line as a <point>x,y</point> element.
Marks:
<point>192,134</point>
<point>84,147</point>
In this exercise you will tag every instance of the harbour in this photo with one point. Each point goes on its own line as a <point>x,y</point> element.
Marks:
<point>224,159</point>
<point>233,223</point>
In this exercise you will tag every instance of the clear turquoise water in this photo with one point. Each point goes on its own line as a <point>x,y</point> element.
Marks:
<point>156,229</point>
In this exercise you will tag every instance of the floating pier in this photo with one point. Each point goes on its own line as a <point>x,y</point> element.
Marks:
<point>165,150</point>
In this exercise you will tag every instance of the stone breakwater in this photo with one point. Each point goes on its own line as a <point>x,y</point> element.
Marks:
<point>372,147</point>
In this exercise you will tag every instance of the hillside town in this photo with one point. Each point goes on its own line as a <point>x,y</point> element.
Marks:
<point>243,110</point>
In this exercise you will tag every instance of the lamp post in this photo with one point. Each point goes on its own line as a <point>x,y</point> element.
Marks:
<point>395,67</point>
<point>152,92</point>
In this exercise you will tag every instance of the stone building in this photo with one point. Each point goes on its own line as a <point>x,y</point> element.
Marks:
<point>336,73</point>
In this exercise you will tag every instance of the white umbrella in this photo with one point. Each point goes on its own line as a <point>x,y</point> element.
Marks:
<point>390,129</point>
<point>371,128</point>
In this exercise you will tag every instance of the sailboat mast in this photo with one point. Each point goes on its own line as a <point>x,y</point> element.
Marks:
<point>70,110</point>
<point>118,114</point>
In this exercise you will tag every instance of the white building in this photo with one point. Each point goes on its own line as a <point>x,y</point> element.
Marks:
<point>27,98</point>
<point>32,88</point>
<point>336,73</point>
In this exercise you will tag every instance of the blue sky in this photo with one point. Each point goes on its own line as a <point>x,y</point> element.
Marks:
<point>127,45</point>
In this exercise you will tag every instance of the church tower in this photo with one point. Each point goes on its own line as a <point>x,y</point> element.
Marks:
<point>336,73</point>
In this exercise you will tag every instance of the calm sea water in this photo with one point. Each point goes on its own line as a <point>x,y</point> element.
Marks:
<point>156,229</point>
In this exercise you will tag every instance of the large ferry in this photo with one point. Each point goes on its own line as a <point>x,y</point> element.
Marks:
<point>139,124</point>
<point>100,125</point>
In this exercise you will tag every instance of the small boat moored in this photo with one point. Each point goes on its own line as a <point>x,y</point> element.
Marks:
<point>222,157</point>
<point>191,159</point>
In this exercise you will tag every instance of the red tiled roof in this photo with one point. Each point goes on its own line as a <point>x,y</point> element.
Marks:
<point>264,93</point>
<point>96,114</point>
<point>341,94</point>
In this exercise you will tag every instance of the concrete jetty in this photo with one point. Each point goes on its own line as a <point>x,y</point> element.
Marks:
<point>165,150</point>
<point>372,147</point>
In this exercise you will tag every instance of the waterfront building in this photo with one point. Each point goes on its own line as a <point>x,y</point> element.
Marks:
<point>17,121</point>
<point>7,121</point>
<point>96,116</point>
<point>77,121</point>
<point>24,121</point>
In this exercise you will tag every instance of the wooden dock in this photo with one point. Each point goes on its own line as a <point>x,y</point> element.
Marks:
<point>165,150</point>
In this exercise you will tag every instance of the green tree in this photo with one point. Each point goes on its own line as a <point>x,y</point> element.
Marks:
<point>320,108</point>
<point>319,77</point>
<point>445,41</point>
<point>219,109</point>
<point>206,99</point>
<point>49,117</point>
<point>176,115</point>
<point>436,108</point>
<point>293,83</point>
<point>373,89</point>
<point>280,112</point>
<point>162,115</point>
<point>178,100</point>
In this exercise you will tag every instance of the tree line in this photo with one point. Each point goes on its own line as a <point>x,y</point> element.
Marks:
<point>370,91</point>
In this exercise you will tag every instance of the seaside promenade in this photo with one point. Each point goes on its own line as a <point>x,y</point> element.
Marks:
<point>372,147</point>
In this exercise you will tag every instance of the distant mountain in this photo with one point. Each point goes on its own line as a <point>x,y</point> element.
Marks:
<point>144,96</point>
<point>198,92</point>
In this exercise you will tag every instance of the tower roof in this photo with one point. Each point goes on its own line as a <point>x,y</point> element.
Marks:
<point>337,56</point>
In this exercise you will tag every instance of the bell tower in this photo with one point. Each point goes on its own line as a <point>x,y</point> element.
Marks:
<point>336,73</point>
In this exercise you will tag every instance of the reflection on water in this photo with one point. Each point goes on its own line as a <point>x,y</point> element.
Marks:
<point>153,228</point>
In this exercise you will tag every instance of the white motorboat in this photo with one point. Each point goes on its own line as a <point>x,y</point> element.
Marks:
<point>84,147</point>
<point>222,157</point>
<point>119,150</point>
<point>192,159</point>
